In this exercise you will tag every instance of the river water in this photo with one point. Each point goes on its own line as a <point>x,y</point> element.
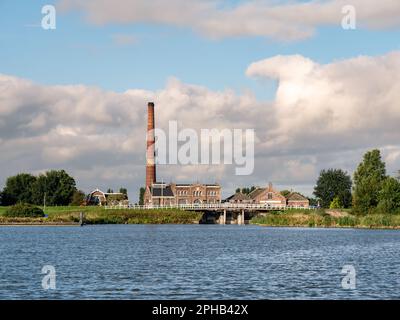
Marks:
<point>197,262</point>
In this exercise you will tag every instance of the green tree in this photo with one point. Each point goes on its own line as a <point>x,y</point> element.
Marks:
<point>109,190</point>
<point>123,191</point>
<point>368,180</point>
<point>24,210</point>
<point>78,198</point>
<point>245,190</point>
<point>18,189</point>
<point>389,196</point>
<point>285,193</point>
<point>335,204</point>
<point>333,183</point>
<point>141,196</point>
<point>56,187</point>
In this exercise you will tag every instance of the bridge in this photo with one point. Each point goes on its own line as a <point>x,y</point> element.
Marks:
<point>222,213</point>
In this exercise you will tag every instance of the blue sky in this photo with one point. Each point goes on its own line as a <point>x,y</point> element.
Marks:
<point>78,52</point>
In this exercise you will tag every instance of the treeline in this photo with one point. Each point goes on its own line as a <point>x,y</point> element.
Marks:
<point>54,188</point>
<point>370,191</point>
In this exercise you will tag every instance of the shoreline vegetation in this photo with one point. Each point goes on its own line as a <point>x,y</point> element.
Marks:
<point>70,216</point>
<point>328,219</point>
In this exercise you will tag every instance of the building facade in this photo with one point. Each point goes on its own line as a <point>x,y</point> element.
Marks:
<point>297,200</point>
<point>271,197</point>
<point>180,194</point>
<point>268,196</point>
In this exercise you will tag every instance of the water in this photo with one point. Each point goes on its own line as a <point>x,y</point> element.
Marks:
<point>198,262</point>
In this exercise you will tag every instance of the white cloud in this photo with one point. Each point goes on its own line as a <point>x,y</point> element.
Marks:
<point>323,116</point>
<point>283,20</point>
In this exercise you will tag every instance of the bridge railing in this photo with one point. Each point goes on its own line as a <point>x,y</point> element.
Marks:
<point>209,206</point>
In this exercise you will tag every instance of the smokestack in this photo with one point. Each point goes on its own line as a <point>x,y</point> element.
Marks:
<point>150,154</point>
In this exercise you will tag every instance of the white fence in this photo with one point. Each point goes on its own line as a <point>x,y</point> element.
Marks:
<point>210,206</point>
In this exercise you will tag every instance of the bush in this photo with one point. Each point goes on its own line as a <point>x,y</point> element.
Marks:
<point>24,210</point>
<point>335,204</point>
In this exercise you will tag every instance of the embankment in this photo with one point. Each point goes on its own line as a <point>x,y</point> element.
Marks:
<point>97,215</point>
<point>324,220</point>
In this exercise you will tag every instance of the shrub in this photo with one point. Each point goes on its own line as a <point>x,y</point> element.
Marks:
<point>335,204</point>
<point>24,210</point>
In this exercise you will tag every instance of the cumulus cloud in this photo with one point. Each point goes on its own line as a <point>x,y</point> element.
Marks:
<point>322,116</point>
<point>282,20</point>
<point>351,103</point>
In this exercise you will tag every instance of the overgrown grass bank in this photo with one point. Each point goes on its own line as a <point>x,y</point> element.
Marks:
<point>98,215</point>
<point>323,220</point>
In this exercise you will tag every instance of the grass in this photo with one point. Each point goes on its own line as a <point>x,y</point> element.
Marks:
<point>98,215</point>
<point>2,210</point>
<point>321,219</point>
<point>290,218</point>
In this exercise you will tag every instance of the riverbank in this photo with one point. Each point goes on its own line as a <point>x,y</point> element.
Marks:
<point>322,219</point>
<point>70,216</point>
<point>63,216</point>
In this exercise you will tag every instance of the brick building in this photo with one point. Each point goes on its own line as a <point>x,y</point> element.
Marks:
<point>271,197</point>
<point>157,193</point>
<point>173,194</point>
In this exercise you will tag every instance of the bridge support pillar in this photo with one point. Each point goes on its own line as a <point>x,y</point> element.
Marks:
<point>240,218</point>
<point>222,217</point>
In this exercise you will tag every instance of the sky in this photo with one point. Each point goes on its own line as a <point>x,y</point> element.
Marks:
<point>318,96</point>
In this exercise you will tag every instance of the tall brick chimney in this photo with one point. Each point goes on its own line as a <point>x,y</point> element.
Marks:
<point>150,153</point>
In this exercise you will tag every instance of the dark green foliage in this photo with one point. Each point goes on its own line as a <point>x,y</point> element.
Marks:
<point>141,196</point>
<point>368,180</point>
<point>24,210</point>
<point>18,189</point>
<point>246,190</point>
<point>333,183</point>
<point>109,190</point>
<point>285,193</point>
<point>389,196</point>
<point>123,191</point>
<point>78,198</point>
<point>56,186</point>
